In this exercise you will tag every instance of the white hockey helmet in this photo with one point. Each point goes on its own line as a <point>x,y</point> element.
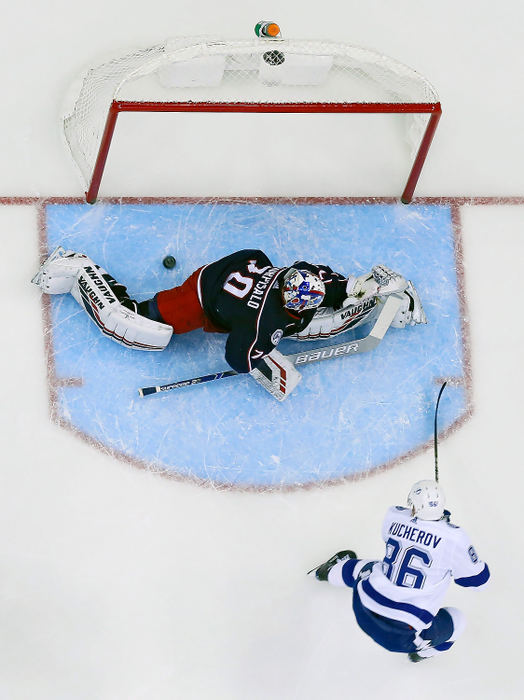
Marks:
<point>426,500</point>
<point>302,290</point>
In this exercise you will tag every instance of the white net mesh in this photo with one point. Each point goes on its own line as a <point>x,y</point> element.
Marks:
<point>205,70</point>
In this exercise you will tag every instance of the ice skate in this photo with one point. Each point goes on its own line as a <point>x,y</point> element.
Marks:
<point>417,312</point>
<point>411,311</point>
<point>58,273</point>
<point>57,252</point>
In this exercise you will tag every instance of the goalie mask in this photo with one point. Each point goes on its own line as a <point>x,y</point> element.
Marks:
<point>302,290</point>
<point>426,500</point>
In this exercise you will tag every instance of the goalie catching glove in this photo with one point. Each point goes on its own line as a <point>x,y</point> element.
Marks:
<point>380,282</point>
<point>277,375</point>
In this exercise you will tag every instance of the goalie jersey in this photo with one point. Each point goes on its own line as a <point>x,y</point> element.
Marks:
<point>241,295</point>
<point>422,558</point>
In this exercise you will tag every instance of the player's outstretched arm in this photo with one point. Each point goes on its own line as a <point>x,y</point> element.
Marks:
<point>469,570</point>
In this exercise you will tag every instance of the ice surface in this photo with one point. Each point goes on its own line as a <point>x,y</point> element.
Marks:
<point>119,584</point>
<point>230,431</point>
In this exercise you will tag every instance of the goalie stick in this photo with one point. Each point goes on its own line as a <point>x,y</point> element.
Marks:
<point>326,352</point>
<point>435,431</point>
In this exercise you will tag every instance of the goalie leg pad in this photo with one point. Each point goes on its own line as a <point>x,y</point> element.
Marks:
<point>327,322</point>
<point>277,375</point>
<point>411,311</point>
<point>125,326</point>
<point>128,328</point>
<point>94,289</point>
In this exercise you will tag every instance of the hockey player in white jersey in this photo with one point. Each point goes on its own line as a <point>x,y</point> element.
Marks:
<point>397,601</point>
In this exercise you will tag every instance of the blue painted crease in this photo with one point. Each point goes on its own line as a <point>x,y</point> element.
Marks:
<point>347,416</point>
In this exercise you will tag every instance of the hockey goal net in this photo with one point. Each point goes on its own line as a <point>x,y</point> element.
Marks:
<point>203,74</point>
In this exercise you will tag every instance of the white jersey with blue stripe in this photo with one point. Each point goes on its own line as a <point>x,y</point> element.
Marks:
<point>422,557</point>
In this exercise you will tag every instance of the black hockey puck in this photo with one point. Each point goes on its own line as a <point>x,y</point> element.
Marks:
<point>169,262</point>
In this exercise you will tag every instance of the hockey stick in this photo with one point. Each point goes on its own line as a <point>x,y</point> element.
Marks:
<point>327,352</point>
<point>435,433</point>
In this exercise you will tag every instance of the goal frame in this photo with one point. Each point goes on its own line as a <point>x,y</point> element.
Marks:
<point>433,109</point>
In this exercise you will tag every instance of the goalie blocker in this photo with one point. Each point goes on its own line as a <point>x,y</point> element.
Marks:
<point>277,375</point>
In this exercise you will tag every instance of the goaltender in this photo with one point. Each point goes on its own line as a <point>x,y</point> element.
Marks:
<point>244,295</point>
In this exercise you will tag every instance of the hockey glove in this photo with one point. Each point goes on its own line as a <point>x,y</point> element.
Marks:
<point>323,570</point>
<point>277,375</point>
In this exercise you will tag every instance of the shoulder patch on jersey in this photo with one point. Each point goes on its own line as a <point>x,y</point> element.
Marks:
<point>277,336</point>
<point>473,555</point>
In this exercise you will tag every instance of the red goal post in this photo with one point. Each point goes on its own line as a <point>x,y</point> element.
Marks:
<point>203,74</point>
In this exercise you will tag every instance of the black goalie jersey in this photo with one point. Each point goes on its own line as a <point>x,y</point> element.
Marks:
<point>241,294</point>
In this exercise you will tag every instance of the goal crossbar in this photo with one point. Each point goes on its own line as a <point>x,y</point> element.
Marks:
<point>119,106</point>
